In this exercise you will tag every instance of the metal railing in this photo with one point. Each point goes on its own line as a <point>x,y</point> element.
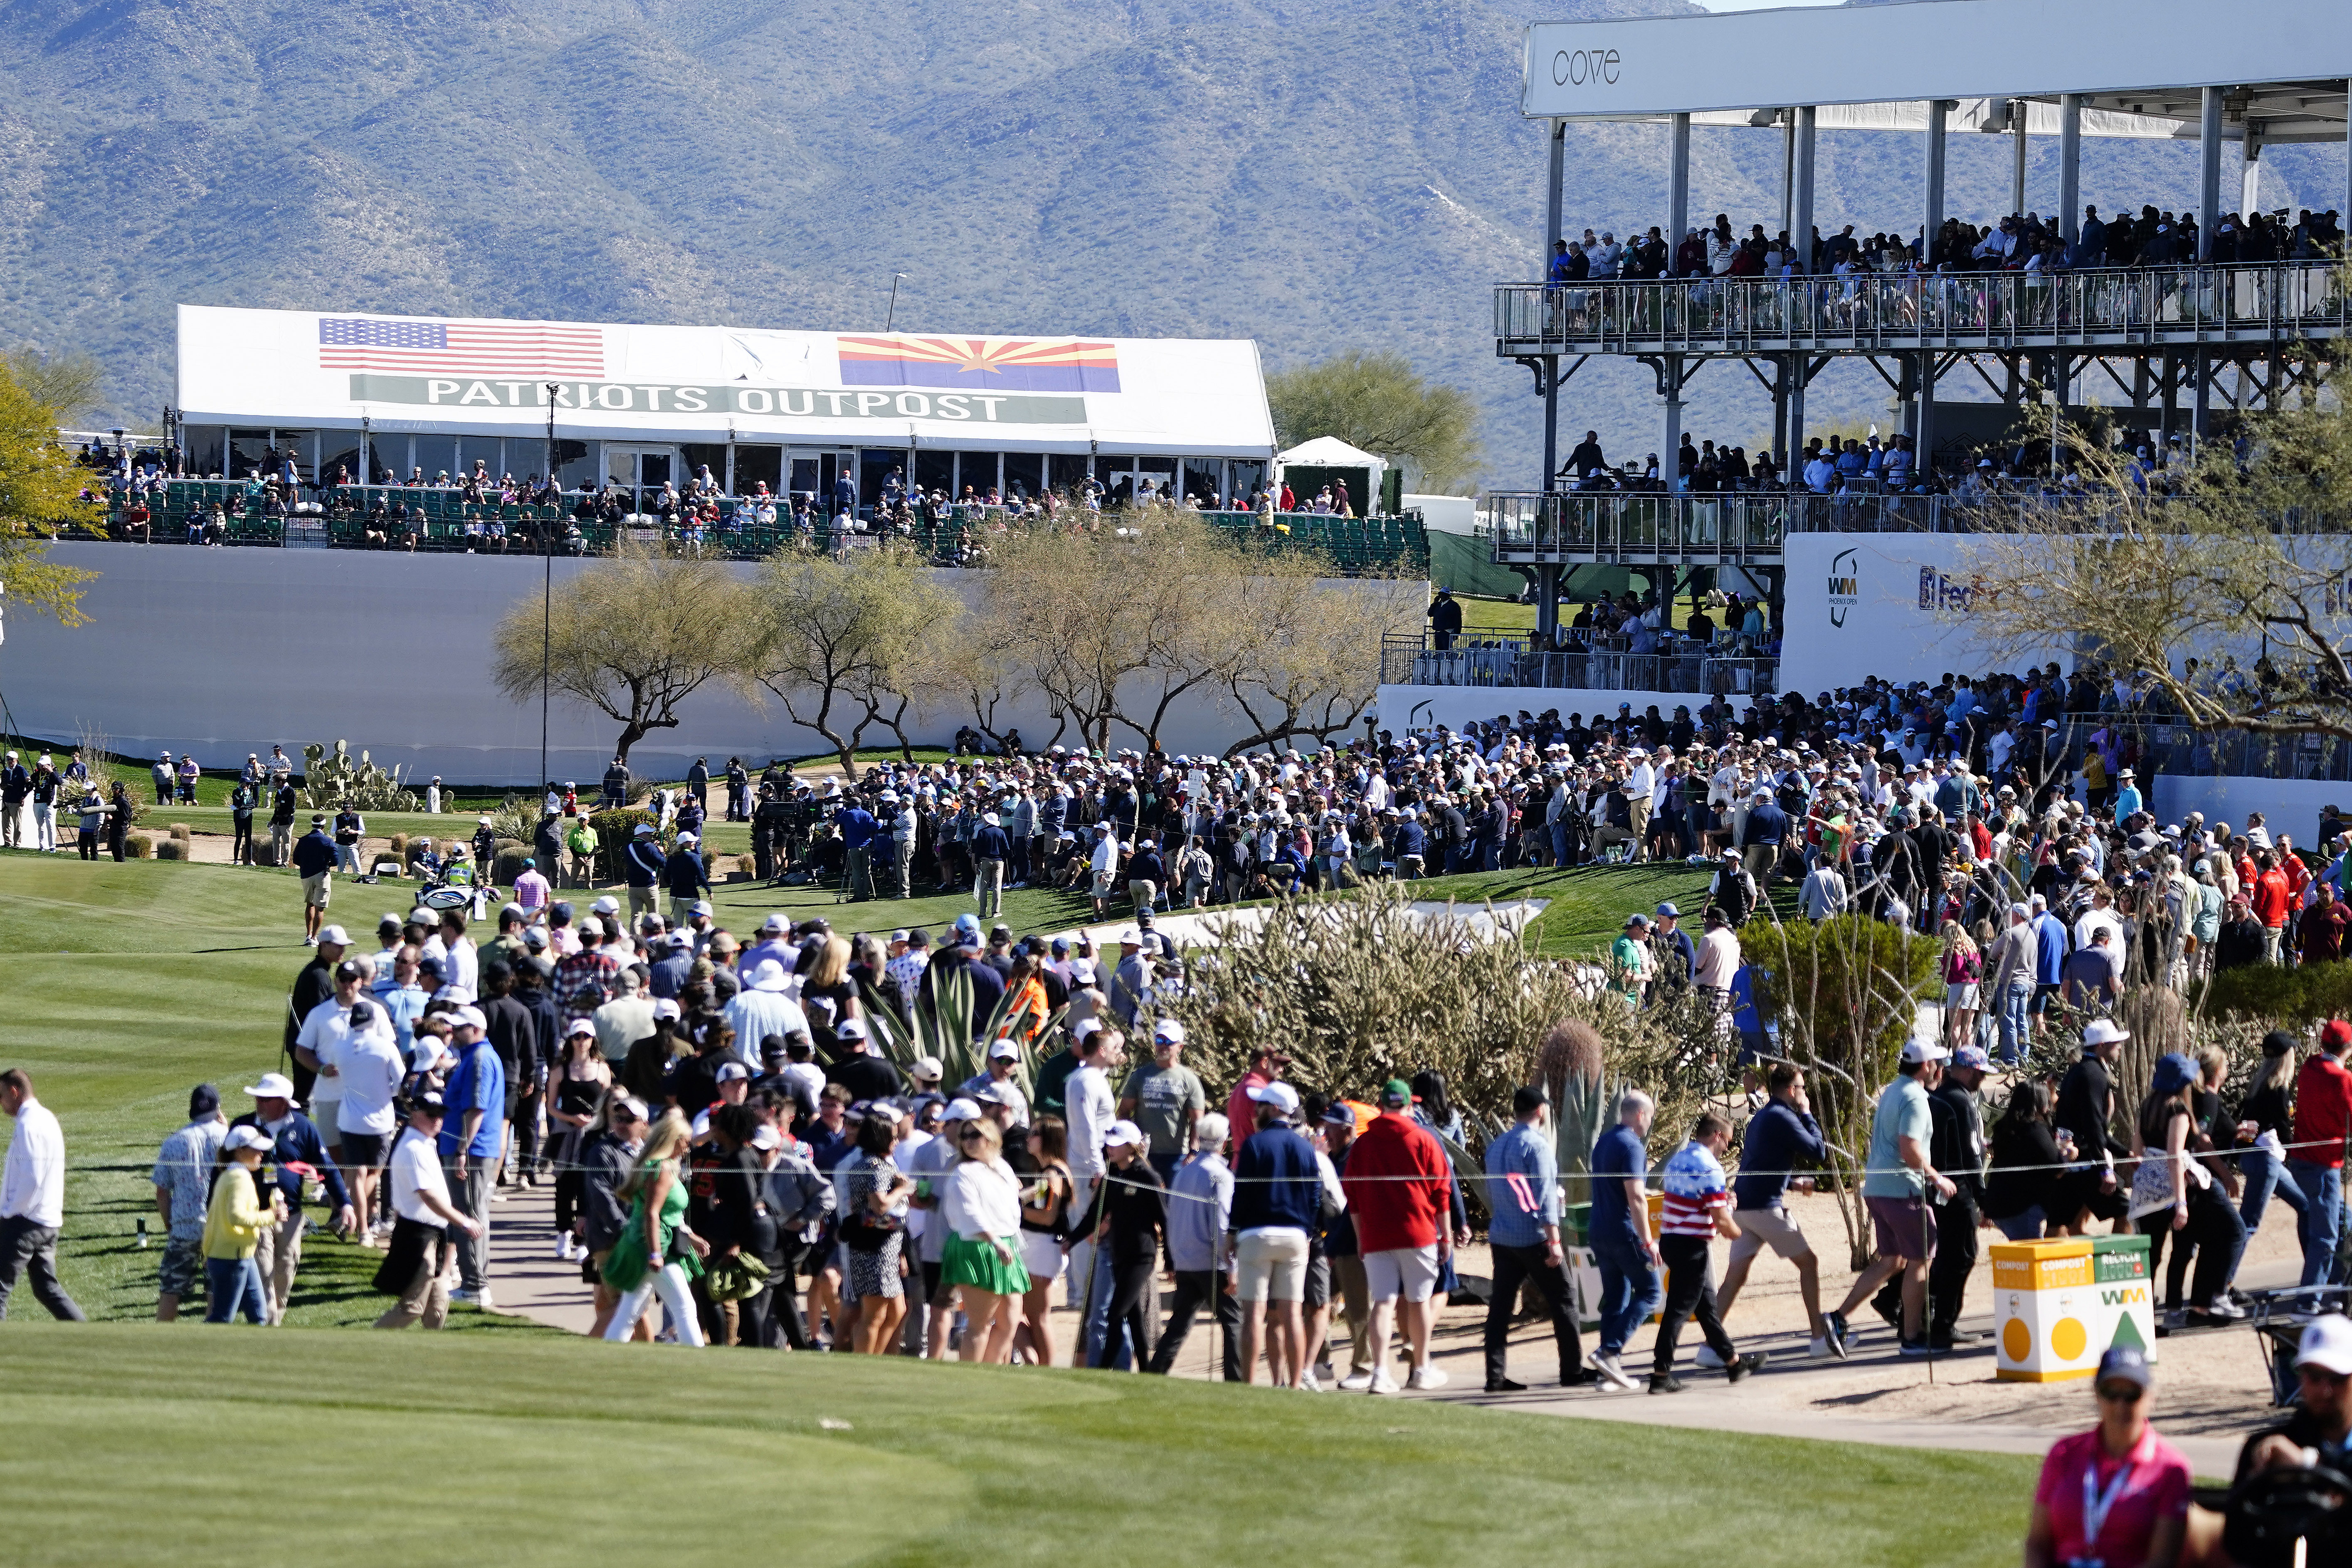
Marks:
<point>439,519</point>
<point>2152,746</point>
<point>2263,301</point>
<point>1510,661</point>
<point>1531,526</point>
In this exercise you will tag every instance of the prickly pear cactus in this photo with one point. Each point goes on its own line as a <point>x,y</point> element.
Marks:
<point>331,781</point>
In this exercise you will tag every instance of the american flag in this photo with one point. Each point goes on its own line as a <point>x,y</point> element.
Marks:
<point>471,348</point>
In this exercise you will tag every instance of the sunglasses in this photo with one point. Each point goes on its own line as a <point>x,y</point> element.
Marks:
<point>2124,1394</point>
<point>967,1136</point>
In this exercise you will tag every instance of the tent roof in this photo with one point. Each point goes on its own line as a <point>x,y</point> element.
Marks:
<point>1331,452</point>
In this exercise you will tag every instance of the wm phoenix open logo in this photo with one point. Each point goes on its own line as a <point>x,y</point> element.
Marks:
<point>1845,585</point>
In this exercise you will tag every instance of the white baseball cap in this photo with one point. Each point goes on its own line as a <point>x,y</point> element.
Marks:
<point>1119,1133</point>
<point>1171,1030</point>
<point>273,1086</point>
<point>1279,1095</point>
<point>2328,1344</point>
<point>1923,1051</point>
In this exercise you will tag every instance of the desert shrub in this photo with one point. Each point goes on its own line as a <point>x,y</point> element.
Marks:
<point>180,831</point>
<point>614,830</point>
<point>2306,994</point>
<point>398,846</point>
<point>139,846</point>
<point>748,865</point>
<point>171,849</point>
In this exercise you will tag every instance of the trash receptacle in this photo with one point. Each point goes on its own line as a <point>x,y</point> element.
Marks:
<point>2058,1305</point>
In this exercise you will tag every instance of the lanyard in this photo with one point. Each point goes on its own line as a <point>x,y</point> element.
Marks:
<point>2095,1503</point>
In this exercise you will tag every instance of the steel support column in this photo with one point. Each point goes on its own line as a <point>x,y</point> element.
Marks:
<point>2209,179</point>
<point>1677,183</point>
<point>1553,197</point>
<point>1932,218</point>
<point>1803,231</point>
<point>2070,168</point>
<point>2017,167</point>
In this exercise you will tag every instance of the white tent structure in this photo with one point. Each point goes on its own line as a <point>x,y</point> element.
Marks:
<point>1329,452</point>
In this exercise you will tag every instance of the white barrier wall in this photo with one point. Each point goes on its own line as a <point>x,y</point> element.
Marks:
<point>1890,605</point>
<point>224,652</point>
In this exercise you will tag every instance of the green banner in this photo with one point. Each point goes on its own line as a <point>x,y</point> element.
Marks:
<point>463,393</point>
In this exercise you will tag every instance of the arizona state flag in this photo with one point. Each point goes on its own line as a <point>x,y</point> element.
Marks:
<point>980,364</point>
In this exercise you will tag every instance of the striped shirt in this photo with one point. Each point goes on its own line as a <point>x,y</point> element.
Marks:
<point>1694,1190</point>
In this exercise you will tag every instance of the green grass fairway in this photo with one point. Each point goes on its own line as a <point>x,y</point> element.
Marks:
<point>125,1445</point>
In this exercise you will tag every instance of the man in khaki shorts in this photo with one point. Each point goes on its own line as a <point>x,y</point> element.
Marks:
<point>1782,1138</point>
<point>314,862</point>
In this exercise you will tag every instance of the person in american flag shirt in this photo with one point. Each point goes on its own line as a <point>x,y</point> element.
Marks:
<point>1697,1208</point>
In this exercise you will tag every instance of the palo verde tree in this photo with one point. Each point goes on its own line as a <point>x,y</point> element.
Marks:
<point>632,636</point>
<point>40,486</point>
<point>1375,402</point>
<point>843,645</point>
<point>2217,586</point>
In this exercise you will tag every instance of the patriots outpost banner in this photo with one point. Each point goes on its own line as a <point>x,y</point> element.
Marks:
<point>288,369</point>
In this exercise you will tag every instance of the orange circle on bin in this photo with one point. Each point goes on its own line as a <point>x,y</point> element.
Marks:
<point>2016,1340</point>
<point>2068,1338</point>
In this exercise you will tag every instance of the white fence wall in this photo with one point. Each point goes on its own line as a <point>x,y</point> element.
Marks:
<point>223,652</point>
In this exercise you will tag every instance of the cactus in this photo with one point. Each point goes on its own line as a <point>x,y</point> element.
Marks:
<point>331,781</point>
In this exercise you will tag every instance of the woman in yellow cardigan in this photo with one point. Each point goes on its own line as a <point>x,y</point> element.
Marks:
<point>233,1223</point>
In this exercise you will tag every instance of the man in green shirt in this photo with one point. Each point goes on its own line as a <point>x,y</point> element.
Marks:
<point>1165,1098</point>
<point>1895,1187</point>
<point>1633,961</point>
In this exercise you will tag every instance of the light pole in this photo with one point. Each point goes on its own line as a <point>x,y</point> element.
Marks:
<point>547,585</point>
<point>892,314</point>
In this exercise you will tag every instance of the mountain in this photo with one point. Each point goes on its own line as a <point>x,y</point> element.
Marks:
<point>1312,176</point>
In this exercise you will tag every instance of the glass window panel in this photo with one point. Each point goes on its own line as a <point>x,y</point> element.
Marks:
<point>203,444</point>
<point>575,464</point>
<point>1205,481</point>
<point>387,458</point>
<point>248,453</point>
<point>697,456</point>
<point>437,456</point>
<point>653,470</point>
<point>804,474</point>
<point>935,470</point>
<point>976,472</point>
<point>1069,470</point>
<point>1025,474</point>
<point>875,466</point>
<point>342,462</point>
<point>1245,479</point>
<point>757,466</point>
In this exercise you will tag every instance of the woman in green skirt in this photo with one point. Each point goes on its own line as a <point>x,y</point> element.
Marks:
<point>656,1253</point>
<point>981,1207</point>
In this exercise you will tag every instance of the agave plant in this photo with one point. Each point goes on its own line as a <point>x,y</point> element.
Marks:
<point>946,1032</point>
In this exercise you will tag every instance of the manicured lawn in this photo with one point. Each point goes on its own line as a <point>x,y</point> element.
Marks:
<point>123,987</point>
<point>133,1445</point>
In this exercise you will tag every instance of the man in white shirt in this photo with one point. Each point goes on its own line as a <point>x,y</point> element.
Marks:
<point>349,1041</point>
<point>1089,1108</point>
<point>33,1200</point>
<point>762,1008</point>
<point>420,1201</point>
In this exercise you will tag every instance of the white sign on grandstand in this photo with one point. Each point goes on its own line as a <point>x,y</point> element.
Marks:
<point>1949,49</point>
<point>334,370</point>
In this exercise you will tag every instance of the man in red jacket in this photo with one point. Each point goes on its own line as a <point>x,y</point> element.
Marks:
<point>1398,1184</point>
